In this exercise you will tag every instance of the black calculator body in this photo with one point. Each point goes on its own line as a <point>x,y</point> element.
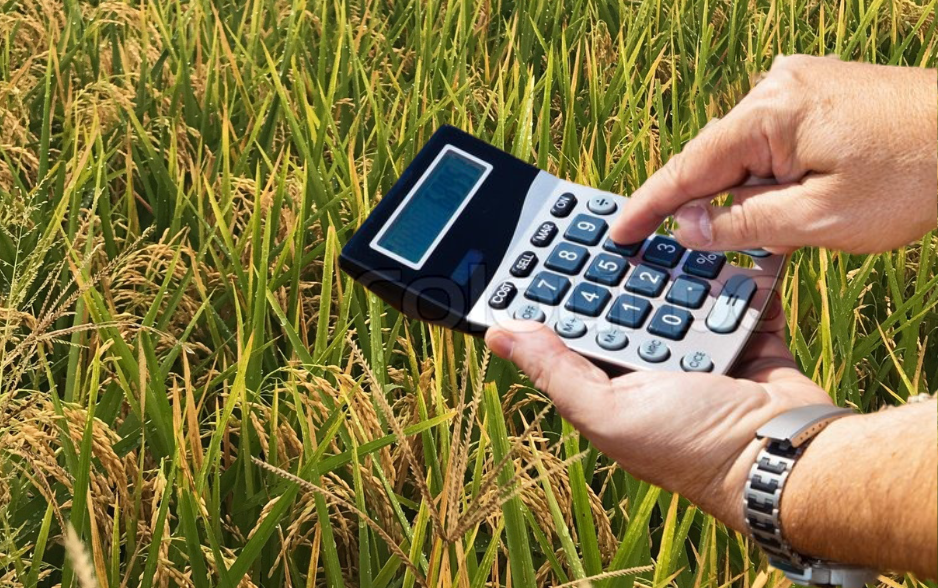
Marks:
<point>470,237</point>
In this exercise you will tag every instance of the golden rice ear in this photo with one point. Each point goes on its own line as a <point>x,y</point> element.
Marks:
<point>338,500</point>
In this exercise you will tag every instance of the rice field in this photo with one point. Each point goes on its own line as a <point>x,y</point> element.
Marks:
<point>192,394</point>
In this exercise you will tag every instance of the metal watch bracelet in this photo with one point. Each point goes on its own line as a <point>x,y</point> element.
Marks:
<point>787,436</point>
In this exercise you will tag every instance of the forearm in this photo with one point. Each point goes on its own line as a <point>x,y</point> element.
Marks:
<point>865,491</point>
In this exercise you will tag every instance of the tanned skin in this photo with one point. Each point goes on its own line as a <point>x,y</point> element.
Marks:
<point>820,153</point>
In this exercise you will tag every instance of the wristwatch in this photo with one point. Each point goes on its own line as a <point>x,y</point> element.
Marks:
<point>787,436</point>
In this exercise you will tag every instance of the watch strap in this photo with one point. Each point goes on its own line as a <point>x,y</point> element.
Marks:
<point>787,435</point>
<point>800,424</point>
<point>826,574</point>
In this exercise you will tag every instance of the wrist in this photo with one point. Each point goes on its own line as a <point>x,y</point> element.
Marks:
<point>734,484</point>
<point>864,492</point>
<point>798,511</point>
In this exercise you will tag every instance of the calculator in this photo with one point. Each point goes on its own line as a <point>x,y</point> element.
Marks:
<point>470,237</point>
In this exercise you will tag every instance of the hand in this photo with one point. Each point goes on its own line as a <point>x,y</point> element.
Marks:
<point>847,148</point>
<point>688,433</point>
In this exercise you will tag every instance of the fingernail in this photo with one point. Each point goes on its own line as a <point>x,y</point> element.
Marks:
<point>500,342</point>
<point>694,225</point>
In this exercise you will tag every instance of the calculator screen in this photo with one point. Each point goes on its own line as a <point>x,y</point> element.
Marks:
<point>431,207</point>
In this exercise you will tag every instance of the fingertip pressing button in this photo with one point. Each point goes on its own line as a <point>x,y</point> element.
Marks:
<point>627,250</point>
<point>697,361</point>
<point>654,351</point>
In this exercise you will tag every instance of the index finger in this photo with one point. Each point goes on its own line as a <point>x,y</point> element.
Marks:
<point>730,150</point>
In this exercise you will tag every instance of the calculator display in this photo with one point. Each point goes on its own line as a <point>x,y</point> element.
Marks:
<point>431,207</point>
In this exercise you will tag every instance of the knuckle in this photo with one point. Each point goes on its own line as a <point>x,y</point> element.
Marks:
<point>786,80</point>
<point>790,63</point>
<point>676,171</point>
<point>746,224</point>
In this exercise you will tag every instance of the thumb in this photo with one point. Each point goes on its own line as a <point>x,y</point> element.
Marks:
<point>778,217</point>
<point>580,390</point>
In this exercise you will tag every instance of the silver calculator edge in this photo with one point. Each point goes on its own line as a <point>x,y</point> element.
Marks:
<point>722,349</point>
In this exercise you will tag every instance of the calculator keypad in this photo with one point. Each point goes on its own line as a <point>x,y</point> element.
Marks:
<point>652,303</point>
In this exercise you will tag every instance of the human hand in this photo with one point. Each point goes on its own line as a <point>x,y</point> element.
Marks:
<point>847,150</point>
<point>689,433</point>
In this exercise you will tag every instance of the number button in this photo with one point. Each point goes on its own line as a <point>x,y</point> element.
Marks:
<point>664,251</point>
<point>697,361</point>
<point>567,258</point>
<point>529,312</point>
<point>654,351</point>
<point>607,269</point>
<point>588,299</point>
<point>524,265</point>
<point>704,264</point>
<point>601,205</point>
<point>612,339</point>
<point>670,322</point>
<point>570,327</point>
<point>544,234</point>
<point>503,296</point>
<point>688,292</point>
<point>647,281</point>
<point>547,288</point>
<point>586,229</point>
<point>564,205</point>
<point>627,250</point>
<point>629,311</point>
